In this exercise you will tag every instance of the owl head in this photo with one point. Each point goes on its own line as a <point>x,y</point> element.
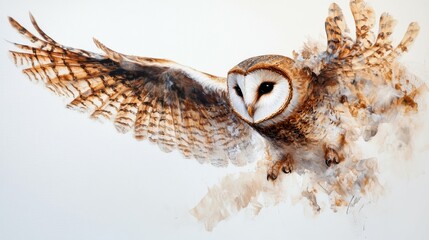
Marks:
<point>267,88</point>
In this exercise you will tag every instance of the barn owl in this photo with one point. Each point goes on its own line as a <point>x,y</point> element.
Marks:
<point>304,109</point>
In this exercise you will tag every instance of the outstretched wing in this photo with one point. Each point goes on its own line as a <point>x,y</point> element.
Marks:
<point>366,50</point>
<point>367,67</point>
<point>172,105</point>
<point>368,80</point>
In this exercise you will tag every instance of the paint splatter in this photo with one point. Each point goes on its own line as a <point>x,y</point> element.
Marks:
<point>384,121</point>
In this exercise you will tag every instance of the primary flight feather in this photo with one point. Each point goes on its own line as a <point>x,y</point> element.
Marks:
<point>307,110</point>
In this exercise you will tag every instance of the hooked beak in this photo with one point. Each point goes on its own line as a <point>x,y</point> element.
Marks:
<point>251,110</point>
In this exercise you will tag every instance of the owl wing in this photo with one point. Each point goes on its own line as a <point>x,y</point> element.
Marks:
<point>370,81</point>
<point>172,105</point>
<point>366,50</point>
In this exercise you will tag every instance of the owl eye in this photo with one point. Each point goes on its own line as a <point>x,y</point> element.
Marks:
<point>265,88</point>
<point>238,91</point>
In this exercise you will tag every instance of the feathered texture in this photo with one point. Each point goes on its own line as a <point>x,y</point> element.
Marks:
<point>363,86</point>
<point>357,85</point>
<point>172,105</point>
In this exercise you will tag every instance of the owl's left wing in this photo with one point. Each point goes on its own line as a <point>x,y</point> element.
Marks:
<point>172,105</point>
<point>367,77</point>
<point>366,50</point>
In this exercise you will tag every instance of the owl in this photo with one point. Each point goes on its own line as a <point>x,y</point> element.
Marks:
<point>307,109</point>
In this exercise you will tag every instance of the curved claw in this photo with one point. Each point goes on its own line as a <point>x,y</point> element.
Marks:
<point>271,177</point>
<point>286,169</point>
<point>285,165</point>
<point>331,156</point>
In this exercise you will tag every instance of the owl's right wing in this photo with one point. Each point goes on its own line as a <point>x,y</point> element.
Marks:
<point>172,105</point>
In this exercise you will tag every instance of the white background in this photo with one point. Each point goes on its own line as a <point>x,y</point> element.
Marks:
<point>63,176</point>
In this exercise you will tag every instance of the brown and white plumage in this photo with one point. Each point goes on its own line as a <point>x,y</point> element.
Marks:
<point>314,107</point>
<point>169,104</point>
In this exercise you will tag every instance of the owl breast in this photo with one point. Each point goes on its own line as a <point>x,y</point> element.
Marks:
<point>295,129</point>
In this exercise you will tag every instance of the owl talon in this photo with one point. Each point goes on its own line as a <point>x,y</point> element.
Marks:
<point>331,156</point>
<point>286,166</point>
<point>273,172</point>
<point>271,177</point>
<point>286,169</point>
<point>328,162</point>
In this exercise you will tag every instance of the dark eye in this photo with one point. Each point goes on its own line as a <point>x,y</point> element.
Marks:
<point>265,88</point>
<point>238,91</point>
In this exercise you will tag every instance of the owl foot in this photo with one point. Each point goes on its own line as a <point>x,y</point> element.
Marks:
<point>331,156</point>
<point>285,165</point>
